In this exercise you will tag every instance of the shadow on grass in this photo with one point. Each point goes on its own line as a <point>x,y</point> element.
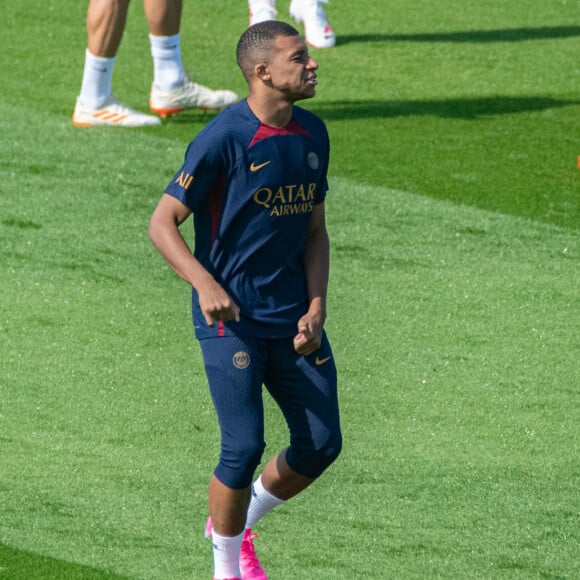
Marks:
<point>20,565</point>
<point>191,117</point>
<point>470,109</point>
<point>474,36</point>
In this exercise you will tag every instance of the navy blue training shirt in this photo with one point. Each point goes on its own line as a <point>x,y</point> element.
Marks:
<point>251,188</point>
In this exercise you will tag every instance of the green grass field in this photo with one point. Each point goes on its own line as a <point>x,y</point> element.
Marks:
<point>454,218</point>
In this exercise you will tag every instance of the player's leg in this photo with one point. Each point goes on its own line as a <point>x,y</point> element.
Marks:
<point>307,394</point>
<point>106,21</point>
<point>96,104</point>
<point>261,10</point>
<point>305,388</point>
<point>164,18</point>
<point>280,481</point>
<point>317,29</point>
<point>173,90</point>
<point>234,368</point>
<point>227,507</point>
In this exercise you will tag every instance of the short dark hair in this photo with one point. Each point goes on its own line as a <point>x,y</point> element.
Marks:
<point>257,40</point>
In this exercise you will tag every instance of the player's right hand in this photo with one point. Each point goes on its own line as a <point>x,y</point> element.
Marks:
<point>216,305</point>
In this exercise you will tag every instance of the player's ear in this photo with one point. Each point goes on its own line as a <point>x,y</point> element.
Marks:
<point>262,71</point>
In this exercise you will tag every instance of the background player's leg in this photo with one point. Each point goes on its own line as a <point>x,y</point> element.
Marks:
<point>96,104</point>
<point>173,90</point>
<point>106,21</point>
<point>163,16</point>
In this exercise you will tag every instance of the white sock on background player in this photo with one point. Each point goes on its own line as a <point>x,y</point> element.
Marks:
<point>97,78</point>
<point>168,70</point>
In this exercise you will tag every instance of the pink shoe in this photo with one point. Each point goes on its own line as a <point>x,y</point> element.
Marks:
<point>249,563</point>
<point>208,528</point>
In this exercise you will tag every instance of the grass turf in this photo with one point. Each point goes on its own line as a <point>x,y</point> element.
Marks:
<point>453,311</point>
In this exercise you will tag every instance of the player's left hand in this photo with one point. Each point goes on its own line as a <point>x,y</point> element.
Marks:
<point>309,335</point>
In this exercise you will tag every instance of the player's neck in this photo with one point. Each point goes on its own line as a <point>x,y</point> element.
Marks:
<point>273,113</point>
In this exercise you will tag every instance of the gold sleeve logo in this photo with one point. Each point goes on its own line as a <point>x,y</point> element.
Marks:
<point>184,179</point>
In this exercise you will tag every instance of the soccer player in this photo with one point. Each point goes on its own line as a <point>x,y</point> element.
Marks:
<point>317,30</point>
<point>255,180</point>
<point>172,90</point>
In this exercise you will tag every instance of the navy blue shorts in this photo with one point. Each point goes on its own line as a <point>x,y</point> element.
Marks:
<point>304,387</point>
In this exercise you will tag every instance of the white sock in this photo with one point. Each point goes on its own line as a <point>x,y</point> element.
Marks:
<point>261,503</point>
<point>254,5</point>
<point>97,78</point>
<point>167,66</point>
<point>261,10</point>
<point>226,555</point>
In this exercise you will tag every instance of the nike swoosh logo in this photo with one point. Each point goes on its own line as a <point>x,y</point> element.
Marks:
<point>321,361</point>
<point>258,167</point>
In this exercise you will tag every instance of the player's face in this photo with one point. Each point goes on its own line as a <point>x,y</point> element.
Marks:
<point>292,69</point>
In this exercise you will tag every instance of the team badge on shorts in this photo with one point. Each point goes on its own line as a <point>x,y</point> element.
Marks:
<point>241,360</point>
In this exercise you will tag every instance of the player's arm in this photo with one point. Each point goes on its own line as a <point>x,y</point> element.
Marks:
<point>316,263</point>
<point>164,232</point>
